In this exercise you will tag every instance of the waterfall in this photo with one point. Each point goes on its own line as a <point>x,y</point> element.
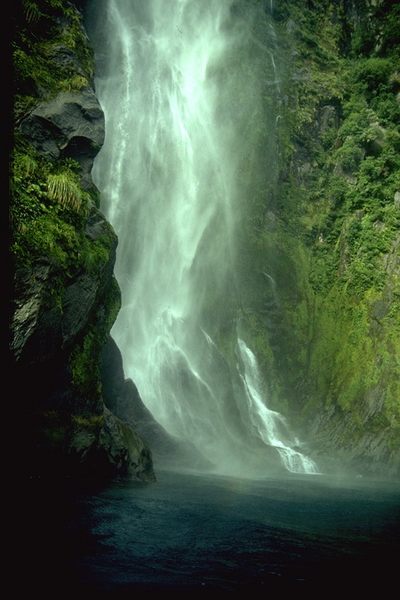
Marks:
<point>180,83</point>
<point>271,425</point>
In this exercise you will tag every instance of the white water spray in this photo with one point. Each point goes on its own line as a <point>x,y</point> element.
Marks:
<point>271,425</point>
<point>180,82</point>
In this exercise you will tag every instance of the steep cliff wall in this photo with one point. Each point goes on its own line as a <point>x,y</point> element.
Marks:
<point>65,295</point>
<point>329,236</point>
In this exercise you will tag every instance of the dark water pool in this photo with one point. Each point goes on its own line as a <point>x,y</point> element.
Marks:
<point>198,533</point>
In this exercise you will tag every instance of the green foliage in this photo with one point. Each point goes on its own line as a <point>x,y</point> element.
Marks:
<point>28,189</point>
<point>359,362</point>
<point>48,236</point>
<point>64,188</point>
<point>84,366</point>
<point>90,422</point>
<point>75,83</point>
<point>48,204</point>
<point>336,226</point>
<point>349,155</point>
<point>23,104</point>
<point>25,166</point>
<point>377,32</point>
<point>374,73</point>
<point>45,26</point>
<point>47,210</point>
<point>31,11</point>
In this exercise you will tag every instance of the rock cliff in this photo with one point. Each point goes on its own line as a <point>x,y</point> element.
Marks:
<point>65,295</point>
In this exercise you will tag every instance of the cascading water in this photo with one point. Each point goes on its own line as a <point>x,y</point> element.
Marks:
<point>186,124</point>
<point>271,425</point>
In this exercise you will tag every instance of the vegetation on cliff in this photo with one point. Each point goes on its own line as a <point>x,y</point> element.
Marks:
<point>49,206</point>
<point>333,245</point>
<point>65,297</point>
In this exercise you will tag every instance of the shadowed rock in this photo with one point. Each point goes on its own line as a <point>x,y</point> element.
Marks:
<point>121,396</point>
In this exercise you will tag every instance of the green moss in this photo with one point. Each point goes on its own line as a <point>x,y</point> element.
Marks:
<point>48,204</point>
<point>48,236</point>
<point>45,26</point>
<point>84,359</point>
<point>84,366</point>
<point>92,422</point>
<point>334,237</point>
<point>112,304</point>
<point>75,83</point>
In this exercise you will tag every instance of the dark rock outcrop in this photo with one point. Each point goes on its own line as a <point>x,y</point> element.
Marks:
<point>42,327</point>
<point>65,424</point>
<point>70,125</point>
<point>125,450</point>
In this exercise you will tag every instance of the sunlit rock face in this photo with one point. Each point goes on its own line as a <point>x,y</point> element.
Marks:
<point>191,95</point>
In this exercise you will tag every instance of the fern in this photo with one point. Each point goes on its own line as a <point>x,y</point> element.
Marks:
<point>76,83</point>
<point>27,165</point>
<point>65,190</point>
<point>31,11</point>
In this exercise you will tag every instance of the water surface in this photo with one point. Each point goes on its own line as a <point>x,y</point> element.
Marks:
<point>195,533</point>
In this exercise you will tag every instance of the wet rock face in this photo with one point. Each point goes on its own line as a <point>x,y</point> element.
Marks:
<point>327,117</point>
<point>69,126</point>
<point>43,324</point>
<point>338,445</point>
<point>126,451</point>
<point>122,397</point>
<point>30,293</point>
<point>65,428</point>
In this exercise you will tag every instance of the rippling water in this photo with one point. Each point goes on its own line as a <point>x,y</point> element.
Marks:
<point>194,533</point>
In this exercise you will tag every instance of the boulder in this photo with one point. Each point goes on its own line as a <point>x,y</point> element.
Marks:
<point>113,448</point>
<point>69,125</point>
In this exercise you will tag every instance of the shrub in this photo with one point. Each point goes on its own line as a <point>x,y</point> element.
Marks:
<point>350,155</point>
<point>374,72</point>
<point>64,188</point>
